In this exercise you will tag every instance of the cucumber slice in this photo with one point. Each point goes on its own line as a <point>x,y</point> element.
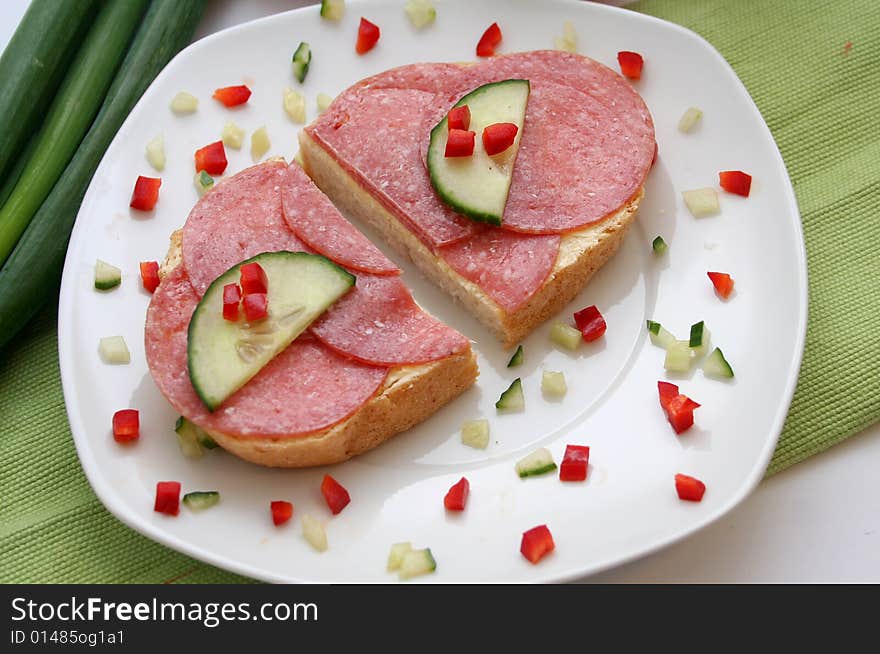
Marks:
<point>114,350</point>
<point>106,276</point>
<point>659,245</point>
<point>187,438</point>
<point>232,135</point>
<point>332,9</point>
<point>537,463</point>
<point>314,533</point>
<point>260,138</point>
<point>701,202</point>
<point>184,103</point>
<point>323,101</point>
<point>679,357</point>
<point>417,562</point>
<point>565,336</point>
<point>477,186</point>
<point>512,399</point>
<point>201,500</point>
<point>395,556</point>
<point>475,433</point>
<point>716,365</point>
<point>699,340</point>
<point>224,355</point>
<point>301,60</point>
<point>156,153</point>
<point>421,13</point>
<point>516,359</point>
<point>659,335</point>
<point>553,384</point>
<point>689,119</point>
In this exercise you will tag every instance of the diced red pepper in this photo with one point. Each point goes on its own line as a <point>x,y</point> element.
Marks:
<point>489,41</point>
<point>722,282</point>
<point>456,498</point>
<point>126,425</point>
<point>146,193</point>
<point>668,392</point>
<point>735,181</point>
<point>167,497</point>
<point>256,306</point>
<point>590,322</point>
<point>460,143</point>
<point>336,496</point>
<point>537,542</point>
<point>253,279</point>
<point>150,275</point>
<point>497,137</point>
<point>281,511</point>
<point>631,64</point>
<point>232,96</point>
<point>574,463</point>
<point>368,36</point>
<point>689,488</point>
<point>231,302</point>
<point>459,118</point>
<point>211,158</point>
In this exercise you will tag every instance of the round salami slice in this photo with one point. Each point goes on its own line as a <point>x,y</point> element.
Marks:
<point>316,222</point>
<point>378,322</point>
<point>509,267</point>
<point>306,388</point>
<point>238,219</point>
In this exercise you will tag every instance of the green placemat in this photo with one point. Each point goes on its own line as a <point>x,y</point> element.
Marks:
<point>821,105</point>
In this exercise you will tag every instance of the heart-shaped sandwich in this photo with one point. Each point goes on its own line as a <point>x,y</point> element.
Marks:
<point>510,205</point>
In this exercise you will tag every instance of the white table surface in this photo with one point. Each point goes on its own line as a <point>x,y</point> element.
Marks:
<point>816,522</point>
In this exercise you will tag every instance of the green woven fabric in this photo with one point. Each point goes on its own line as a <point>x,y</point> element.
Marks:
<point>822,107</point>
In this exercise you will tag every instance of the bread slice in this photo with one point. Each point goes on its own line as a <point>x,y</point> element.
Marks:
<point>581,253</point>
<point>408,395</point>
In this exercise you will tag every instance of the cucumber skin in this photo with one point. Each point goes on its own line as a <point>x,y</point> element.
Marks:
<point>33,65</point>
<point>517,358</point>
<point>30,276</point>
<point>515,389</point>
<point>78,101</point>
<point>550,467</point>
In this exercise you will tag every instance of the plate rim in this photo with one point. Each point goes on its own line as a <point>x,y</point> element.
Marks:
<point>121,511</point>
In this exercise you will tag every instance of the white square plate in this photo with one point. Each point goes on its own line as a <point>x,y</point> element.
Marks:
<point>628,506</point>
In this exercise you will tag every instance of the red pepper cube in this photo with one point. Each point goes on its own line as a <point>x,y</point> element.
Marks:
<point>232,96</point>
<point>668,392</point>
<point>253,279</point>
<point>126,425</point>
<point>146,193</point>
<point>256,306</point>
<point>690,489</point>
<point>680,412</point>
<point>456,497</point>
<point>150,275</point>
<point>489,41</point>
<point>537,543</point>
<point>459,118</point>
<point>281,512</point>
<point>368,36</point>
<point>722,282</point>
<point>735,181</point>
<point>459,143</point>
<point>590,323</point>
<point>574,463</point>
<point>231,302</point>
<point>497,137</point>
<point>167,497</point>
<point>631,64</point>
<point>334,493</point>
<point>211,158</point>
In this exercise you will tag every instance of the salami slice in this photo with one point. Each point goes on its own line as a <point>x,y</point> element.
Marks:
<point>305,389</point>
<point>509,267</point>
<point>378,322</point>
<point>238,219</point>
<point>316,222</point>
<point>375,134</point>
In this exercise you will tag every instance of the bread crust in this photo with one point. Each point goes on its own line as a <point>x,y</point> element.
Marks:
<point>581,253</point>
<point>408,395</point>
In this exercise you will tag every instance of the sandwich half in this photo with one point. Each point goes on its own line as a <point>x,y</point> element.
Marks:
<point>585,150</point>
